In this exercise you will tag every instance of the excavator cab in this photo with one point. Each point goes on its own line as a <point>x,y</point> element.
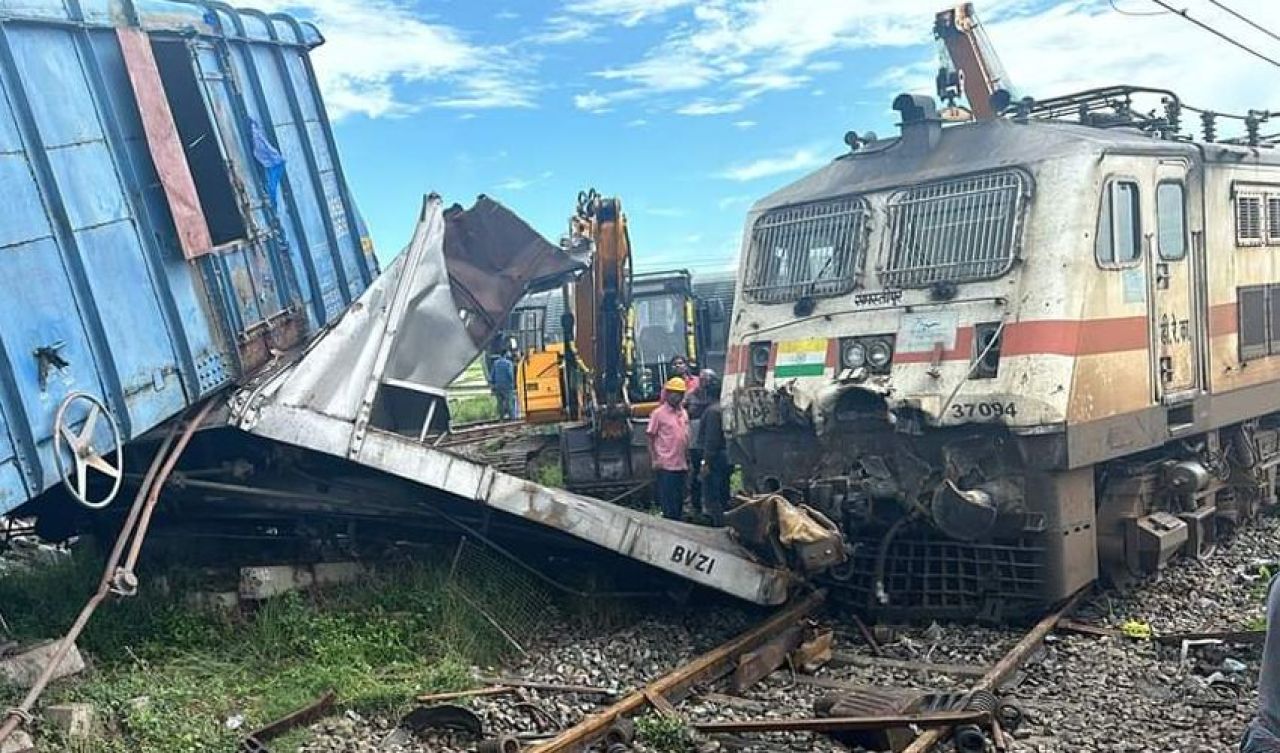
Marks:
<point>662,324</point>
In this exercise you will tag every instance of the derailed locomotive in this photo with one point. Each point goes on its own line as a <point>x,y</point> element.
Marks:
<point>1009,356</point>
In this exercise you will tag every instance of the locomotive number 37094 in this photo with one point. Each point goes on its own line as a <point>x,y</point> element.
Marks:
<point>989,410</point>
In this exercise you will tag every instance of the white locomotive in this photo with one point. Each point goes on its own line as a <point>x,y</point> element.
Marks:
<point>1009,355</point>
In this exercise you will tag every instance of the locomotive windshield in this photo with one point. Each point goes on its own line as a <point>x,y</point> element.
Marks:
<point>954,230</point>
<point>811,250</point>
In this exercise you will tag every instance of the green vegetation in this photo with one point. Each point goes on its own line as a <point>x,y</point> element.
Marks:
<point>468,410</point>
<point>166,678</point>
<point>549,472</point>
<point>664,734</point>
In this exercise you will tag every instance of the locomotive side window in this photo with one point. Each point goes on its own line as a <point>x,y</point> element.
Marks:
<point>1273,219</point>
<point>955,230</point>
<point>1254,340</point>
<point>811,250</point>
<point>1119,236</point>
<point>1249,218</point>
<point>1171,235</point>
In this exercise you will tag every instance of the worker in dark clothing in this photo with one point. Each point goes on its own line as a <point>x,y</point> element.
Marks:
<point>696,404</point>
<point>1263,733</point>
<point>504,385</point>
<point>715,470</point>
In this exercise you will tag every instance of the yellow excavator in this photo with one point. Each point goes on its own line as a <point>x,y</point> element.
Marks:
<point>621,331</point>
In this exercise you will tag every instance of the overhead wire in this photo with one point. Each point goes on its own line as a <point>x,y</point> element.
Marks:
<point>1225,37</point>
<point>1246,19</point>
<point>1139,13</point>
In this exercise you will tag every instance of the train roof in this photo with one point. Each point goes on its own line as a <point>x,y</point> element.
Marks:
<point>212,18</point>
<point>984,146</point>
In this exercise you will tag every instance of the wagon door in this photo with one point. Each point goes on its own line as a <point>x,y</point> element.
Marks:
<point>247,263</point>
<point>1174,325</point>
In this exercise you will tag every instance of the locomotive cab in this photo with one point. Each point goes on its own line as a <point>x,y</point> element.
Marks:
<point>1005,355</point>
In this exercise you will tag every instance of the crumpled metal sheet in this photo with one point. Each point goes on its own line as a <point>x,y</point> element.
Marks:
<point>494,258</point>
<point>408,326</point>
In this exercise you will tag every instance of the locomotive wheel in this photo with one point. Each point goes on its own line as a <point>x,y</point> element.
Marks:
<point>84,455</point>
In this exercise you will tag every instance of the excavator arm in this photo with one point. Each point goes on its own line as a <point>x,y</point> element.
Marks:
<point>973,69</point>
<point>601,302</point>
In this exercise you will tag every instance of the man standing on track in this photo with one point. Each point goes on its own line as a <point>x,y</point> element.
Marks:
<point>1263,733</point>
<point>668,435</point>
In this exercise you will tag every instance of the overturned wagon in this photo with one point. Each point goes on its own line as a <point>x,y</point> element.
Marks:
<point>175,214</point>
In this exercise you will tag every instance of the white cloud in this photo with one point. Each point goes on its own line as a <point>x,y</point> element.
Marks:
<point>520,184</point>
<point>744,124</point>
<point>794,161</point>
<point>376,49</point>
<point>709,107</point>
<point>733,201</point>
<point>563,29</point>
<point>1083,44</point>
<point>591,102</point>
<point>749,49</point>
<point>625,12</point>
<point>638,122</point>
<point>915,78</point>
<point>824,66</point>
<point>1103,47</point>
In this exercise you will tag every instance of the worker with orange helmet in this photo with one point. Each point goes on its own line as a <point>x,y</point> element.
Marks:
<point>668,435</point>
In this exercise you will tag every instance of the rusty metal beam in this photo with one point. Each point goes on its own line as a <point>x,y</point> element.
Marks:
<point>302,716</point>
<point>1007,665</point>
<point>939,719</point>
<point>674,686</point>
<point>758,664</point>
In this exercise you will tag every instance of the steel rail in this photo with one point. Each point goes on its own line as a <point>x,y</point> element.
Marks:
<point>1005,667</point>
<point>674,685</point>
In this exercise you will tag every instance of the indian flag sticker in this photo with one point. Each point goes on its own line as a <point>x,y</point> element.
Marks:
<point>801,358</point>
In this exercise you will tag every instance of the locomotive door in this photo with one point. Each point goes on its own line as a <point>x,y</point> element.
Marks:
<point>1170,264</point>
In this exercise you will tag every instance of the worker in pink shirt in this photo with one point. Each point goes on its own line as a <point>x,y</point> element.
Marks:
<point>668,435</point>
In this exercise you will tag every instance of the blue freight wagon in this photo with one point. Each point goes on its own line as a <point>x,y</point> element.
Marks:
<point>174,215</point>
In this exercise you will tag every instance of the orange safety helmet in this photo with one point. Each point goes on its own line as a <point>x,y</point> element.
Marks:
<point>674,384</point>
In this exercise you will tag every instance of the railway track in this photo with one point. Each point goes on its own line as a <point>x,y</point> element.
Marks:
<point>1073,680</point>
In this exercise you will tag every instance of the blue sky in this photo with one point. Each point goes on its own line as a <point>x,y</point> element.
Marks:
<point>689,111</point>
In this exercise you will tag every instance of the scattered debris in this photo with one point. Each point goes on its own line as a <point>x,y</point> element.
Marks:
<point>18,742</point>
<point>814,653</point>
<point>759,663</point>
<point>676,684</point>
<point>266,581</point>
<point>72,720</point>
<point>840,659</point>
<point>256,741</point>
<point>937,719</point>
<point>23,668</point>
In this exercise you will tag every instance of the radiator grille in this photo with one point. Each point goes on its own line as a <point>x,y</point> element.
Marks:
<point>954,230</point>
<point>812,250</point>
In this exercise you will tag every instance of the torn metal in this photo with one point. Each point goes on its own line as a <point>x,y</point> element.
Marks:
<point>371,388</point>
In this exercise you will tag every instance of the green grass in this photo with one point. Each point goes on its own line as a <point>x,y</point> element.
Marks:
<point>664,734</point>
<point>549,472</point>
<point>468,410</point>
<point>166,677</point>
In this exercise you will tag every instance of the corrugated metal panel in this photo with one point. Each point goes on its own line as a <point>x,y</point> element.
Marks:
<point>106,301</point>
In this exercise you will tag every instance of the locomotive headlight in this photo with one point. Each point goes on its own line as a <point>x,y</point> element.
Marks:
<point>760,355</point>
<point>879,353</point>
<point>853,355</point>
